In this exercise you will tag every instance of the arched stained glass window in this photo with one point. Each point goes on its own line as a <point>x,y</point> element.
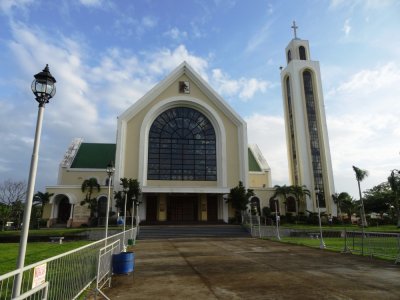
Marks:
<point>182,146</point>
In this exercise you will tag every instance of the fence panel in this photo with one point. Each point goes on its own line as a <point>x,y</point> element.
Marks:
<point>385,245</point>
<point>68,274</point>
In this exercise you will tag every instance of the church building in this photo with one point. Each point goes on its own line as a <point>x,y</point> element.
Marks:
<point>187,148</point>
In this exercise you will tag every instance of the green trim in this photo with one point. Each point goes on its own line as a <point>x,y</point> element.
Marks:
<point>94,156</point>
<point>253,165</point>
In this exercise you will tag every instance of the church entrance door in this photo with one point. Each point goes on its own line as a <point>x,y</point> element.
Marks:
<point>151,208</point>
<point>182,208</point>
<point>212,208</point>
<point>64,211</point>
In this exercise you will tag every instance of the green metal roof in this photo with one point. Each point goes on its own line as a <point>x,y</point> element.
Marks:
<point>97,156</point>
<point>94,156</point>
<point>253,165</point>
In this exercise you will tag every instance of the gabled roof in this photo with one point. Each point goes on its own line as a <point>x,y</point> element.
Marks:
<point>183,69</point>
<point>94,156</point>
<point>257,161</point>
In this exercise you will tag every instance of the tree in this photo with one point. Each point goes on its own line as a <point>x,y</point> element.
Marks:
<point>88,187</point>
<point>10,192</point>
<point>299,192</point>
<point>132,186</point>
<point>338,199</point>
<point>42,199</point>
<point>283,190</point>
<point>360,176</point>
<point>378,198</point>
<point>349,206</point>
<point>239,198</point>
<point>394,182</point>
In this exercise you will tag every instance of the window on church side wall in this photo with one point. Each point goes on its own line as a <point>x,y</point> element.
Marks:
<point>313,133</point>
<point>182,146</point>
<point>302,53</point>
<point>292,135</point>
<point>289,56</point>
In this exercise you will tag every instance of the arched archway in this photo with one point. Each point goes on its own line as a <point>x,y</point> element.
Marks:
<point>64,209</point>
<point>102,207</point>
<point>274,205</point>
<point>290,204</point>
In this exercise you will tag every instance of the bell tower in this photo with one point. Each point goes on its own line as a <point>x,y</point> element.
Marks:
<point>306,131</point>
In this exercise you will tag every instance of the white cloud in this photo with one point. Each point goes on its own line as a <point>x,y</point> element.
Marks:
<point>165,60</point>
<point>346,27</point>
<point>91,3</point>
<point>176,34</point>
<point>367,81</point>
<point>6,6</point>
<point>259,37</point>
<point>366,4</point>
<point>362,122</point>
<point>268,132</point>
<point>244,88</point>
<point>148,22</point>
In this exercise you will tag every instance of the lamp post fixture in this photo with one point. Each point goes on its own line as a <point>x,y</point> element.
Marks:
<point>321,241</point>
<point>137,216</point>
<point>277,220</point>
<point>43,86</point>
<point>126,198</point>
<point>110,171</point>
<point>133,207</point>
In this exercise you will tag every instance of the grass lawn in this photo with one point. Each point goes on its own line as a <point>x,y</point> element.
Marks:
<point>381,228</point>
<point>35,252</point>
<point>382,248</point>
<point>55,231</point>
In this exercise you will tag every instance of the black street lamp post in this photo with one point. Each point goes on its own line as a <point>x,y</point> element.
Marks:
<point>321,241</point>
<point>43,86</point>
<point>110,171</point>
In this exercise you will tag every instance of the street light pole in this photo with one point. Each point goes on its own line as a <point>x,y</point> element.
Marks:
<point>277,220</point>
<point>110,171</point>
<point>321,241</point>
<point>43,86</point>
<point>126,198</point>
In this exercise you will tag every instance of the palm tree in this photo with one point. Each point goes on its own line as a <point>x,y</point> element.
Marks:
<point>360,176</point>
<point>283,190</point>
<point>132,186</point>
<point>299,192</point>
<point>349,207</point>
<point>88,186</point>
<point>42,199</point>
<point>338,198</point>
<point>394,182</point>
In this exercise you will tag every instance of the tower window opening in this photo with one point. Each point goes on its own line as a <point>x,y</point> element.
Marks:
<point>314,136</point>
<point>289,56</point>
<point>291,129</point>
<point>302,52</point>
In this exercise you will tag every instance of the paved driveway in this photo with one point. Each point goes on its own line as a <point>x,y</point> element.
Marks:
<point>245,268</point>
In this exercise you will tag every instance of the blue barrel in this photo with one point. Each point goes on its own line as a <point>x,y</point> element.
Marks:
<point>123,263</point>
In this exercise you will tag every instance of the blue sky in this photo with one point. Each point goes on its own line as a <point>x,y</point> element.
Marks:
<point>106,54</point>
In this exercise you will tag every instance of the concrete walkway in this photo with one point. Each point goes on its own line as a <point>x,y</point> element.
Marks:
<point>245,268</point>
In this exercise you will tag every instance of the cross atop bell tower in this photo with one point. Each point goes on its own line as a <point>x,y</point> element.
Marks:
<point>295,29</point>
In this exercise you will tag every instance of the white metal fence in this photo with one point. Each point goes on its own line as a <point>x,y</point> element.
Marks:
<point>67,274</point>
<point>374,244</point>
